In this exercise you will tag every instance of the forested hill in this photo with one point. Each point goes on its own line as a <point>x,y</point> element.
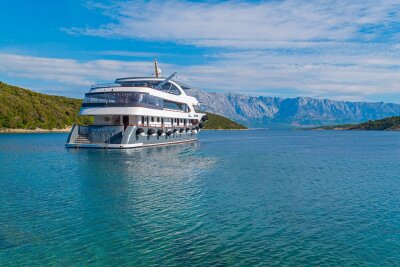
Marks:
<point>24,109</point>
<point>218,122</point>
<point>386,124</point>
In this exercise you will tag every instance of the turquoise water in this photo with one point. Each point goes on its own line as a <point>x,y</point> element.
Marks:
<point>240,198</point>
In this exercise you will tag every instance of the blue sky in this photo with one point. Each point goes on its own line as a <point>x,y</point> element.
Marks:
<point>344,50</point>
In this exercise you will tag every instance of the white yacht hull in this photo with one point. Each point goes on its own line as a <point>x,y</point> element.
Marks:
<point>119,137</point>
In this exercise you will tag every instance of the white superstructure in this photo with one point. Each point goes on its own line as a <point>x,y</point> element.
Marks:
<point>133,110</point>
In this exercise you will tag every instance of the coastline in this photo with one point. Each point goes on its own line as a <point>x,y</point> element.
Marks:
<point>225,129</point>
<point>37,130</point>
<point>354,129</point>
<point>68,129</point>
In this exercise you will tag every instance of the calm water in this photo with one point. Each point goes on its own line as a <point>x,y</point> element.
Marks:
<point>234,198</point>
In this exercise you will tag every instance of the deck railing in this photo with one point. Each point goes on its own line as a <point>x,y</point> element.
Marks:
<point>104,85</point>
<point>83,130</point>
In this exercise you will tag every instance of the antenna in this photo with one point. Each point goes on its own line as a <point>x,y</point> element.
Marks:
<point>157,70</point>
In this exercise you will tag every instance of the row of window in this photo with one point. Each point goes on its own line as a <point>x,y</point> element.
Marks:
<point>146,120</point>
<point>130,99</point>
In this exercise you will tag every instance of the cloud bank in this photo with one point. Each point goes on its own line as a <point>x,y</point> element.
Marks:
<point>338,49</point>
<point>347,78</point>
<point>239,24</point>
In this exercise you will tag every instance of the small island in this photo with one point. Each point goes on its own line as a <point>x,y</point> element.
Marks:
<point>25,111</point>
<point>386,124</point>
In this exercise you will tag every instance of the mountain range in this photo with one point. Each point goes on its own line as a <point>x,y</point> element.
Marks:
<point>276,112</point>
<point>21,108</point>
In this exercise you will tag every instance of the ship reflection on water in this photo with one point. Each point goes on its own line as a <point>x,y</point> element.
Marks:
<point>148,194</point>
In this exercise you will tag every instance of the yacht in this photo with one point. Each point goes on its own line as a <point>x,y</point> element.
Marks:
<point>138,112</point>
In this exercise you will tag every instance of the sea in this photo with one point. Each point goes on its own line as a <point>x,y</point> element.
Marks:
<point>234,198</point>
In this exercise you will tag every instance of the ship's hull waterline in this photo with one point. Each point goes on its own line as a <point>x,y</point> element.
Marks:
<point>120,137</point>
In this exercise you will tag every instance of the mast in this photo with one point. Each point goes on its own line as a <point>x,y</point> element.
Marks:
<point>156,69</point>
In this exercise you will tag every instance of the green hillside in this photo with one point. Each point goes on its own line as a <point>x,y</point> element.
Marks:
<point>218,122</point>
<point>23,109</point>
<point>386,124</point>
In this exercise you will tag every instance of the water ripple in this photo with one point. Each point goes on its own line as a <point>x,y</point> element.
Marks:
<point>250,198</point>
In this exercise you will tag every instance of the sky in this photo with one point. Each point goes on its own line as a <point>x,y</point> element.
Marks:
<point>335,49</point>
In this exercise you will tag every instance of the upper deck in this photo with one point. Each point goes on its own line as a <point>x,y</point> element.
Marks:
<point>172,87</point>
<point>154,93</point>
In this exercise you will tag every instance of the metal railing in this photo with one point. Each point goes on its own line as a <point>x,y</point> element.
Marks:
<point>83,130</point>
<point>104,85</point>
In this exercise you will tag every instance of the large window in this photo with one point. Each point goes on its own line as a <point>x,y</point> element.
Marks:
<point>175,106</point>
<point>156,101</point>
<point>168,87</point>
<point>130,99</point>
<point>116,98</point>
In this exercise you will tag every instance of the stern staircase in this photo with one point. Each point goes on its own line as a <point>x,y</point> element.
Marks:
<point>82,139</point>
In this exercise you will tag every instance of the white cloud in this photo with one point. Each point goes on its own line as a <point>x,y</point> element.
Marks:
<point>255,73</point>
<point>69,71</point>
<point>320,48</point>
<point>246,25</point>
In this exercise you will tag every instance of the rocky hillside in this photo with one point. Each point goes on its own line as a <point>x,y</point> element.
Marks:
<point>291,112</point>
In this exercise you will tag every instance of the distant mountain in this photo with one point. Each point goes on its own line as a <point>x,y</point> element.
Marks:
<point>386,124</point>
<point>253,111</point>
<point>24,109</point>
